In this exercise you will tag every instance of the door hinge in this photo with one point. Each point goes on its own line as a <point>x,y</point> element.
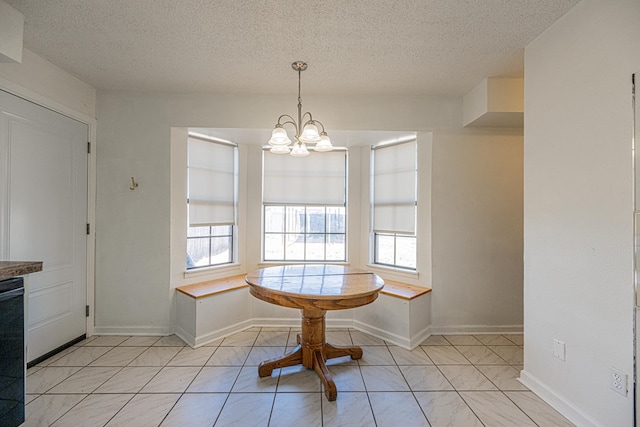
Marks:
<point>88,229</point>
<point>89,147</point>
<point>87,311</point>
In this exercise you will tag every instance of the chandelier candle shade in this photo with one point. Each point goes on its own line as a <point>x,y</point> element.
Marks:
<point>306,133</point>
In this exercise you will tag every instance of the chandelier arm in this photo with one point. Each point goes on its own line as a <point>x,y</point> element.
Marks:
<point>290,122</point>
<point>320,123</point>
<point>285,116</point>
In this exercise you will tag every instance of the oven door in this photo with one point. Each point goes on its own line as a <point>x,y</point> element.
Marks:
<point>12,365</point>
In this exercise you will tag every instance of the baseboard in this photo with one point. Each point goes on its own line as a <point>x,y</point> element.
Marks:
<point>185,336</point>
<point>134,330</point>
<point>559,403</point>
<point>221,333</point>
<point>477,329</point>
<point>382,334</point>
<point>420,337</point>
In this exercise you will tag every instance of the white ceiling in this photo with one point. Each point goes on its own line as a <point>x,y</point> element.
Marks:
<point>409,47</point>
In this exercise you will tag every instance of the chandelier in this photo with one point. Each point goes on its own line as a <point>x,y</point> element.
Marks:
<point>305,133</point>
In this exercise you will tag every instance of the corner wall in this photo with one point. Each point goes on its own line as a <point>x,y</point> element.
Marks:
<point>578,227</point>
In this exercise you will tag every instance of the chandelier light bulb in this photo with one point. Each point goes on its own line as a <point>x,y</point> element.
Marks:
<point>279,136</point>
<point>324,144</point>
<point>280,149</point>
<point>310,133</point>
<point>300,150</point>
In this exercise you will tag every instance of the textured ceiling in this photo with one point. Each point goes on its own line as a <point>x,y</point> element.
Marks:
<point>410,47</point>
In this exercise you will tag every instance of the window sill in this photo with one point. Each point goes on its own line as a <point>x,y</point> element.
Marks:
<point>264,264</point>
<point>393,273</point>
<point>226,269</point>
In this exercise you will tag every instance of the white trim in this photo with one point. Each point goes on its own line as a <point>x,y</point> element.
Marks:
<point>383,335</point>
<point>558,402</point>
<point>43,101</point>
<point>477,329</point>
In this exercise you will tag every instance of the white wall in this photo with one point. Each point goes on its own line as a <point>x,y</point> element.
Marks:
<point>578,226</point>
<point>133,244</point>
<point>477,230</point>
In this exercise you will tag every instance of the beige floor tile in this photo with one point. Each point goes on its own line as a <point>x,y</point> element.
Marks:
<point>298,379</point>
<point>383,378</point>
<point>447,409</point>
<point>44,410</point>
<point>192,357</point>
<point>129,380</point>
<point>30,397</point>
<point>445,355</point>
<point>466,377</point>
<point>155,356</point>
<point>139,341</point>
<point>144,410</point>
<point>240,339</point>
<point>505,377</point>
<point>118,356</point>
<point>229,356</point>
<point>462,340</point>
<point>246,410</point>
<point>361,338</point>
<point>425,378</point>
<point>48,377</point>
<point>435,340</point>
<point>214,379</point>
<point>417,356</point>
<point>347,378</point>
<point>272,338</point>
<point>106,341</point>
<point>511,353</point>
<point>169,341</point>
<point>495,409</point>
<point>214,343</point>
<point>94,410</point>
<point>538,410</point>
<point>348,410</point>
<point>195,410</point>
<point>171,380</point>
<point>342,338</point>
<point>86,380</point>
<point>304,408</point>
<point>257,355</point>
<point>55,357</point>
<point>376,355</point>
<point>493,340</point>
<point>248,381</point>
<point>480,355</point>
<point>82,356</point>
<point>391,409</point>
<point>517,339</point>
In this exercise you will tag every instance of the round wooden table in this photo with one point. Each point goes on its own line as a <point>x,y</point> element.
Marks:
<point>314,289</point>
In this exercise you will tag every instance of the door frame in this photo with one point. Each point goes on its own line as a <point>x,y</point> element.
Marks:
<point>43,101</point>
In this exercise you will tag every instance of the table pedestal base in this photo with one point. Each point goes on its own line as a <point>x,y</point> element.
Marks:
<point>312,352</point>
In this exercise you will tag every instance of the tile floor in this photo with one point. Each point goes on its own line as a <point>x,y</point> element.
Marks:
<point>461,380</point>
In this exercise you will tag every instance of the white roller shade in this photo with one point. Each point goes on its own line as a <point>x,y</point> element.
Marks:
<point>394,188</point>
<point>316,179</point>
<point>211,183</point>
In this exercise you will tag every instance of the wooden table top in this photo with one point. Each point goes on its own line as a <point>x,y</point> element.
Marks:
<point>315,286</point>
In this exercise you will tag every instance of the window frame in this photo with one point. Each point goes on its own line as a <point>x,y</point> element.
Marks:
<point>375,235</point>
<point>304,232</point>
<point>232,226</point>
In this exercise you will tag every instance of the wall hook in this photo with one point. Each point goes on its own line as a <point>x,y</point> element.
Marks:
<point>134,184</point>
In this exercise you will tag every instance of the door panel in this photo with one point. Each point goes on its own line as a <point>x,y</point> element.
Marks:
<point>44,209</point>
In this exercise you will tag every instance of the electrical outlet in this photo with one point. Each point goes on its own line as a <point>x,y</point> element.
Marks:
<point>559,350</point>
<point>618,381</point>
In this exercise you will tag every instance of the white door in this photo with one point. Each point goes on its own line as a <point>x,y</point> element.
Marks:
<point>43,216</point>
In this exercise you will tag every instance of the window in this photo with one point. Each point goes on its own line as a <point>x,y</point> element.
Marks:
<point>304,207</point>
<point>394,201</point>
<point>211,202</point>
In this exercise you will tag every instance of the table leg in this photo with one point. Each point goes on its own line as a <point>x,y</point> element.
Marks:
<point>312,352</point>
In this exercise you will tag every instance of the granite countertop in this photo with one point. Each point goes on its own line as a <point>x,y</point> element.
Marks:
<point>9,269</point>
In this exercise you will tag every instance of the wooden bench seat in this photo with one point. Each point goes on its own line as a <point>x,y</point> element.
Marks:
<point>403,290</point>
<point>213,287</point>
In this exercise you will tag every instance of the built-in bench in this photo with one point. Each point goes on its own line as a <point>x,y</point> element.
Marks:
<point>213,309</point>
